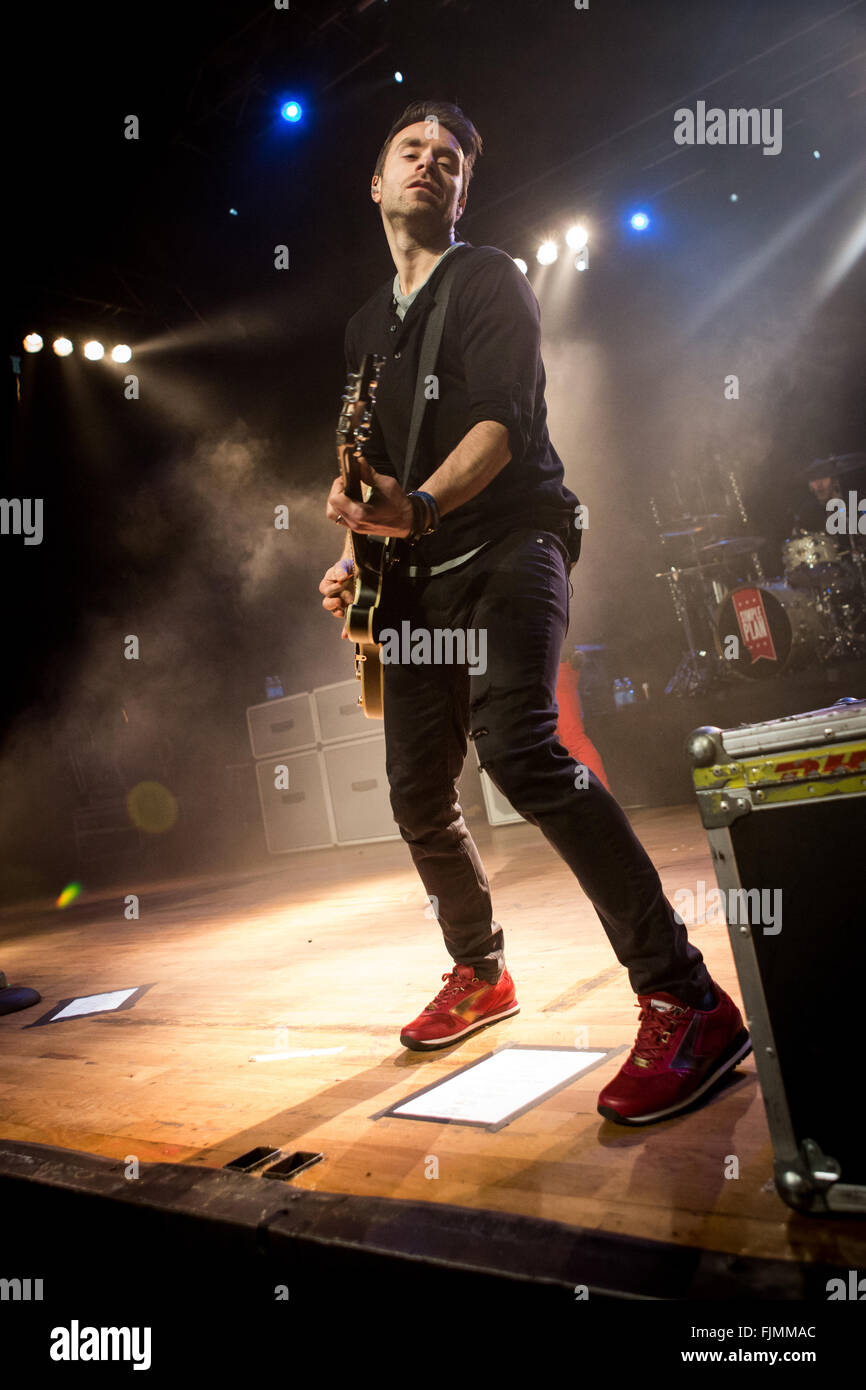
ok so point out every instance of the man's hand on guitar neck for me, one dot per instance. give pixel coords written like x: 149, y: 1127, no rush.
x: 387, y: 513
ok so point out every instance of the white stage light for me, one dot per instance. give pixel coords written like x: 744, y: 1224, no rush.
x: 546, y: 253
x: 62, y: 347
x: 121, y: 353
x: 577, y: 237
x: 521, y: 265
x: 94, y: 350
x: 33, y: 343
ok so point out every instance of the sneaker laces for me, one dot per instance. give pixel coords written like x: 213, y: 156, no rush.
x: 452, y: 986
x: 656, y: 1026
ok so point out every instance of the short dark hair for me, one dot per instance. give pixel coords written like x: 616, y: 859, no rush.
x: 453, y: 120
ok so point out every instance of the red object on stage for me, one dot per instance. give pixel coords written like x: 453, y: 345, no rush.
x: 679, y: 1054
x: 570, y: 728
x: 464, y: 1005
x: 754, y: 624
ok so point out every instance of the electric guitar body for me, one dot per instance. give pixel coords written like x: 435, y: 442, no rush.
x: 372, y: 555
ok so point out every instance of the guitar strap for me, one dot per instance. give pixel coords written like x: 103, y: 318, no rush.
x: 427, y: 363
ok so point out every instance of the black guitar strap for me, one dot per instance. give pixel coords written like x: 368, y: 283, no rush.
x: 427, y: 364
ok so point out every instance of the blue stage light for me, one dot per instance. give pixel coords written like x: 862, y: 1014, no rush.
x: 398, y: 77
x: 639, y: 221
x: 291, y: 111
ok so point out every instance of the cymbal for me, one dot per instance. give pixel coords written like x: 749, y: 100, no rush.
x: 837, y: 465
x: 735, y: 545
x: 700, y: 568
x: 693, y: 523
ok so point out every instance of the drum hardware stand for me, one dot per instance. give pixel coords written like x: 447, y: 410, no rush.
x: 744, y: 517
x: 697, y: 667
x: 701, y: 666
x: 844, y: 639
x: 845, y: 644
x: 694, y: 675
x: 859, y: 559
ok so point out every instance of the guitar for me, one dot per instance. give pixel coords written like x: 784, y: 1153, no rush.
x: 372, y: 555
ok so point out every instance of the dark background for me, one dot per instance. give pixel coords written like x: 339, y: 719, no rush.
x: 159, y: 512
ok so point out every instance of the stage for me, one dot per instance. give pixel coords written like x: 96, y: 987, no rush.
x: 326, y: 955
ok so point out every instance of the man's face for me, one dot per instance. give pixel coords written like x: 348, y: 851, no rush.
x: 422, y: 178
x: 822, y: 489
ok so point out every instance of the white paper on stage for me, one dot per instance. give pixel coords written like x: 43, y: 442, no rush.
x: 94, y: 1003
x: 498, y: 1086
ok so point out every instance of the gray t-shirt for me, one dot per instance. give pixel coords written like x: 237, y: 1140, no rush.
x: 404, y: 300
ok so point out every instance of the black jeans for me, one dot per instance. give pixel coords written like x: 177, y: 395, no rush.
x: 515, y: 592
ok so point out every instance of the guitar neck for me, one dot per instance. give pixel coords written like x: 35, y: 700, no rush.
x: 353, y: 428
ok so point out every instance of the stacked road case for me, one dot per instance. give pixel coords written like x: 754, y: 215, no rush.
x: 784, y: 807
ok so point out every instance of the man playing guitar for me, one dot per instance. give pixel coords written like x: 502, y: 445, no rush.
x: 485, y: 539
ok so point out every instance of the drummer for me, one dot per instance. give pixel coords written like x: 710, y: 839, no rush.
x: 823, y: 485
x: 824, y: 480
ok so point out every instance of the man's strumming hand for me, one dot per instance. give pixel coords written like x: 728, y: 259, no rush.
x: 338, y: 586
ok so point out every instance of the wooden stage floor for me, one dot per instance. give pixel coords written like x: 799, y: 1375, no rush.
x: 332, y: 950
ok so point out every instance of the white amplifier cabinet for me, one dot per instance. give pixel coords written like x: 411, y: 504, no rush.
x: 296, y: 816
x: 337, y: 791
x: 282, y: 726
x: 355, y: 772
x: 338, y: 712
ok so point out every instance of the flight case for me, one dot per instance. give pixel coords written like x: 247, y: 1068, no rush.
x: 784, y: 807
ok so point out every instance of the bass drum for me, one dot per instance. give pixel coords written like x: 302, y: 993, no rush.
x: 764, y: 630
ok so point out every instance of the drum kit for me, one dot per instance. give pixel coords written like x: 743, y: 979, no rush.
x: 740, y: 625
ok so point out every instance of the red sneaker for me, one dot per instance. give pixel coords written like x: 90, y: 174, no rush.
x: 679, y: 1054
x: 464, y: 1005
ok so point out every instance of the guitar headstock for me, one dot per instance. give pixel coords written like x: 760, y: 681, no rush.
x: 359, y: 398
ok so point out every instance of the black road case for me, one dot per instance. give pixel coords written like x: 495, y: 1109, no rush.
x: 784, y: 807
